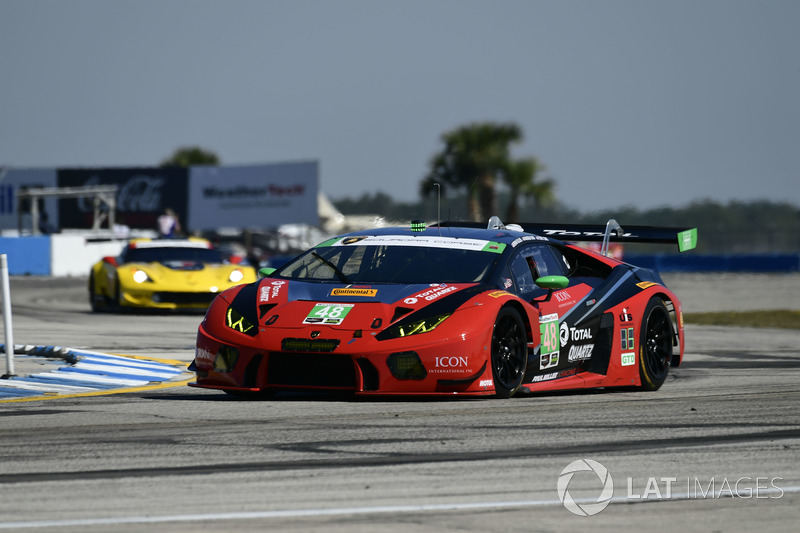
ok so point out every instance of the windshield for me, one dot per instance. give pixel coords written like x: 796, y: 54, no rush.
x: 167, y: 255
x: 390, y: 264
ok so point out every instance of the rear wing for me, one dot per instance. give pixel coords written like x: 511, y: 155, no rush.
x: 685, y: 238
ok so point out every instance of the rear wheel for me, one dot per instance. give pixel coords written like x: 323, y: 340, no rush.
x: 655, y: 345
x: 509, y: 352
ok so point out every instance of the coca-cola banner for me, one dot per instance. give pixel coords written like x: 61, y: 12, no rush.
x: 254, y: 196
x: 142, y: 196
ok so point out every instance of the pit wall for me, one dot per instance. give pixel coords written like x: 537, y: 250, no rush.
x: 59, y: 255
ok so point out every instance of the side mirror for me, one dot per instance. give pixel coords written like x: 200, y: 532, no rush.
x: 111, y: 260
x: 265, y: 272
x: 552, y: 282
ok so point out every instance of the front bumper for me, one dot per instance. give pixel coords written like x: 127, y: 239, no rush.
x: 453, y: 365
x: 165, y: 299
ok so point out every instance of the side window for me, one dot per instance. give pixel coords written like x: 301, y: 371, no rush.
x: 550, y: 261
x: 522, y: 276
x: 533, y: 262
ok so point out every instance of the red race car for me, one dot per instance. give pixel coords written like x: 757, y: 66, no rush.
x: 448, y: 309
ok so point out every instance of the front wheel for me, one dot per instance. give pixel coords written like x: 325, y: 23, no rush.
x: 118, y: 294
x: 98, y: 302
x: 655, y: 345
x: 92, y: 297
x: 509, y: 352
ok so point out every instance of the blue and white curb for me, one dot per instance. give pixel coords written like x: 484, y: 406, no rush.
x: 85, y: 372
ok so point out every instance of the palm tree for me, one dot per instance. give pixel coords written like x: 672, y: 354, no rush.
x: 472, y: 158
x: 521, y: 177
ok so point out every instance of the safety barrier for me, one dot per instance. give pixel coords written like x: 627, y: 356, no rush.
x: 59, y: 255
x: 27, y: 255
x: 718, y: 263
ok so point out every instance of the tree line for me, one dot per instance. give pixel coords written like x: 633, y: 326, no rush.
x: 738, y: 227
x: 476, y: 177
x: 473, y: 176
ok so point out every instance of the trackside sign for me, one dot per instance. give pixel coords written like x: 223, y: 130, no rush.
x: 255, y: 196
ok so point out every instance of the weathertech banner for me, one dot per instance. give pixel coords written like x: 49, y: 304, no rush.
x: 257, y: 196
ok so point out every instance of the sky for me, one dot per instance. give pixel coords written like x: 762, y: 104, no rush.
x: 645, y: 103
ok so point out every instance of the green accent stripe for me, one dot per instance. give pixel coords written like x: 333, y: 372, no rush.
x: 494, y: 247
x: 327, y: 243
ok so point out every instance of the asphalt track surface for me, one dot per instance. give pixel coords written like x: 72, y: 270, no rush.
x: 716, y: 449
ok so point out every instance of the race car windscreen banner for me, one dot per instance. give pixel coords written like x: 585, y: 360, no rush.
x: 256, y: 196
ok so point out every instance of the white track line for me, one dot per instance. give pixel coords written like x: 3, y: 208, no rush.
x: 305, y: 513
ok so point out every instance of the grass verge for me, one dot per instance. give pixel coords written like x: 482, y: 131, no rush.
x: 783, y: 319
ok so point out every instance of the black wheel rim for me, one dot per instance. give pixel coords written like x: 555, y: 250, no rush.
x: 508, y: 352
x: 658, y: 343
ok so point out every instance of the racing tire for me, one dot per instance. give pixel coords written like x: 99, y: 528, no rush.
x: 98, y: 302
x: 118, y: 295
x: 509, y: 352
x: 655, y: 345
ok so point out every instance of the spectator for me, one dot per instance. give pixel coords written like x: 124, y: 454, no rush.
x: 168, y: 224
x: 44, y: 224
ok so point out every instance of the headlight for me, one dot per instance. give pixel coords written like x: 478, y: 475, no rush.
x: 236, y: 276
x: 140, y: 276
x: 236, y: 321
x: 414, y: 327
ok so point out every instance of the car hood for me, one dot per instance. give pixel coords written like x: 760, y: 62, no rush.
x: 281, y: 291
x: 298, y: 303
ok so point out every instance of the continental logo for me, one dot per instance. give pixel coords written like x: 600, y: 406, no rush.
x: 498, y: 294
x: 354, y: 292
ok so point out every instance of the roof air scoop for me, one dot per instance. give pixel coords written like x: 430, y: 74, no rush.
x: 495, y: 223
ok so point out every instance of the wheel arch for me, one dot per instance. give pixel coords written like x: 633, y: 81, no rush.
x: 669, y: 301
x: 526, y: 319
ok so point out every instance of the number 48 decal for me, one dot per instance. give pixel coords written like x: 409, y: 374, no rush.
x: 548, y: 326
x: 551, y: 341
x: 328, y: 314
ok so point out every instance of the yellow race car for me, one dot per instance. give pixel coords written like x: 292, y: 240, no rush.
x: 166, y: 274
